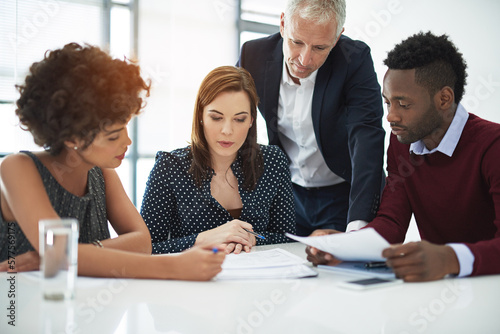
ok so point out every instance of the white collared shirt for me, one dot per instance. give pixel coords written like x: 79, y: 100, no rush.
x: 450, y: 139
x: 296, y: 133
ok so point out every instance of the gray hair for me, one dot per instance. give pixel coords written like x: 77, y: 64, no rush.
x: 320, y: 11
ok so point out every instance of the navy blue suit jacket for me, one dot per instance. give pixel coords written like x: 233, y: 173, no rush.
x: 346, y: 112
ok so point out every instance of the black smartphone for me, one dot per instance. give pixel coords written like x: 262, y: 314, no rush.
x: 369, y: 283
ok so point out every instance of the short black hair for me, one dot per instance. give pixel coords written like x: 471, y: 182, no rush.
x: 436, y: 60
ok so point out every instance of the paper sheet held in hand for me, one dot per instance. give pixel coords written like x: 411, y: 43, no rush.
x: 362, y: 245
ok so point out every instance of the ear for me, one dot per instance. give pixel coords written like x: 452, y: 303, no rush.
x: 338, y: 37
x: 73, y: 144
x: 282, y: 25
x: 445, y: 98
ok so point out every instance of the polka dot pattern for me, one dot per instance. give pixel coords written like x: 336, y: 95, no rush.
x: 176, y: 210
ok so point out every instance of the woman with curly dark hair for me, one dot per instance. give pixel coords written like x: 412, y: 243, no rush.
x: 77, y: 103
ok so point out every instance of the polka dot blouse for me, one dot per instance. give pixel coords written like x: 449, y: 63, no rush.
x: 176, y: 210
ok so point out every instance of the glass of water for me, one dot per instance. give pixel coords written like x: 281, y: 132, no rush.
x: 59, y: 255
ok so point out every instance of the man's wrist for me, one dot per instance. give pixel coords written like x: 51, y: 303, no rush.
x: 452, y: 263
x: 465, y: 258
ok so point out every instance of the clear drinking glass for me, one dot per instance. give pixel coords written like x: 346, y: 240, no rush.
x: 59, y: 255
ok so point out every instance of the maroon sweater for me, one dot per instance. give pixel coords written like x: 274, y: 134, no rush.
x: 454, y: 200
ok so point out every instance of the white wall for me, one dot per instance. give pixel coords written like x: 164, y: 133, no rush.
x: 473, y: 26
x: 179, y: 43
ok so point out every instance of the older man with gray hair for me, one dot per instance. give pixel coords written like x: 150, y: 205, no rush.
x: 322, y: 104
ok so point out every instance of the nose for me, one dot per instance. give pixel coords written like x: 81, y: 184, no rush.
x: 128, y: 141
x: 227, y: 128
x: 392, y: 115
x: 306, y: 56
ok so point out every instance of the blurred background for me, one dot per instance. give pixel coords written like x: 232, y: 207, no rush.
x: 178, y: 42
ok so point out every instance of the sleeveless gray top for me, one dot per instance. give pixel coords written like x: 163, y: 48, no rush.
x: 90, y: 210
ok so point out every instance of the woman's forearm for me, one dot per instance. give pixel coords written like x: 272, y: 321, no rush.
x: 136, y: 241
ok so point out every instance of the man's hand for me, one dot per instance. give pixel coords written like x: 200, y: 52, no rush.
x: 315, y: 256
x: 421, y: 261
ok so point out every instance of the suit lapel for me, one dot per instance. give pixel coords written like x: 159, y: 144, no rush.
x: 272, y: 87
x: 322, y: 79
x: 271, y: 91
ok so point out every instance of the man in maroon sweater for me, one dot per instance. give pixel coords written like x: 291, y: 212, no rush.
x: 443, y: 166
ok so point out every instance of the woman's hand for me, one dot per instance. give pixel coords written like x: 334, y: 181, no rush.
x: 28, y: 261
x: 237, y: 248
x: 197, y: 264
x: 232, y: 232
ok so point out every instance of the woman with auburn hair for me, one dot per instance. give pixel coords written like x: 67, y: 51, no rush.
x: 77, y: 103
x: 224, y: 188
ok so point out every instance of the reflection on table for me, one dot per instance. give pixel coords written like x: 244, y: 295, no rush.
x: 310, y: 305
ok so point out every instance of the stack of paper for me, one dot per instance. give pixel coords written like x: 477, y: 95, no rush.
x: 270, y: 264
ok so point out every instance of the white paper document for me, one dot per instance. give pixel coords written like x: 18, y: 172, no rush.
x: 273, y: 263
x: 362, y: 245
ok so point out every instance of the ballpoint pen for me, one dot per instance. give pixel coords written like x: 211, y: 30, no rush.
x: 377, y: 264
x: 256, y: 234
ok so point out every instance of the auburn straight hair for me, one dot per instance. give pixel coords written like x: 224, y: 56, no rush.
x: 223, y: 79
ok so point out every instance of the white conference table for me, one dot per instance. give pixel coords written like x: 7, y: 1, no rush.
x: 310, y: 305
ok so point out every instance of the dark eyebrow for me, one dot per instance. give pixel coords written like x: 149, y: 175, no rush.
x: 218, y: 112
x: 215, y: 111
x: 398, y: 98
x: 108, y: 133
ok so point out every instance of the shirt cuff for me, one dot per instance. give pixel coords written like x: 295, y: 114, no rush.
x: 355, y: 225
x: 465, y: 259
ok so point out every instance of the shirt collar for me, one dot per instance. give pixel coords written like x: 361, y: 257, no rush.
x: 287, y: 79
x: 451, y: 137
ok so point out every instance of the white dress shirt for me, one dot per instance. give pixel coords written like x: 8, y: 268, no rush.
x: 296, y: 133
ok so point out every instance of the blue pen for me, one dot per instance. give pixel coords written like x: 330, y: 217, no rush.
x: 256, y: 234
x: 215, y: 250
